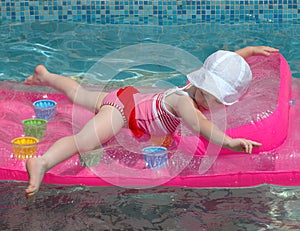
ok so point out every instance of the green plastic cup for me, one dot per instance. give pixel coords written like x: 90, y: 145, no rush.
x: 91, y: 158
x: 35, y: 127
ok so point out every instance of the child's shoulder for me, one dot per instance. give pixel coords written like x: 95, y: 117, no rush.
x: 177, y: 98
x: 176, y: 91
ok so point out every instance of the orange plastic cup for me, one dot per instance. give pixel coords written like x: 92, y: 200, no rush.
x: 25, y: 147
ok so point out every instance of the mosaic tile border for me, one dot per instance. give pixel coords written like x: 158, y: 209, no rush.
x: 152, y: 12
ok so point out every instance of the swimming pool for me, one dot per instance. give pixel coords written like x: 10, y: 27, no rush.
x: 88, y: 30
x: 72, y: 49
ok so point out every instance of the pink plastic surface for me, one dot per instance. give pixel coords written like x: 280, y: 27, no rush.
x: 276, y: 162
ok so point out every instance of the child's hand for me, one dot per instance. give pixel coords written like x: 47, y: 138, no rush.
x: 256, y: 50
x: 242, y: 145
x: 264, y: 50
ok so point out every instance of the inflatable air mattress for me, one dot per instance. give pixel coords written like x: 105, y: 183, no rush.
x: 267, y: 113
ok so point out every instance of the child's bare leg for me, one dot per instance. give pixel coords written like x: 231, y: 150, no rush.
x: 98, y: 130
x: 68, y: 86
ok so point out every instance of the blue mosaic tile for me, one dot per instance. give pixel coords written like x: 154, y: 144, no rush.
x: 166, y: 12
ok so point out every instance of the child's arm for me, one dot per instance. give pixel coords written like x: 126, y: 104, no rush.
x: 204, y: 127
x: 256, y: 50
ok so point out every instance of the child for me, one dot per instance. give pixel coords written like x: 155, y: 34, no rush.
x: 223, y: 78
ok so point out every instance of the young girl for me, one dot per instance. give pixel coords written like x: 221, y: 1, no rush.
x: 223, y: 78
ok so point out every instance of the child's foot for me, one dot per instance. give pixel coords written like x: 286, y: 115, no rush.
x: 36, y: 169
x: 39, y: 76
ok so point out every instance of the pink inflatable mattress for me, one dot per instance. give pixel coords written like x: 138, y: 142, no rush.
x: 267, y: 113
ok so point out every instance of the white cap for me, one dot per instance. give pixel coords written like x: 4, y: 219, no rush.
x: 224, y: 74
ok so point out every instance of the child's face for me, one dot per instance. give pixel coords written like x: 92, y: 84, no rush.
x: 205, y: 100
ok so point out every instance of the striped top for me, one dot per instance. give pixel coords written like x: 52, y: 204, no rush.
x: 168, y: 121
x: 152, y: 115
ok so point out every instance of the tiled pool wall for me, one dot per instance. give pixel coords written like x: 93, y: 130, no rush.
x: 167, y: 12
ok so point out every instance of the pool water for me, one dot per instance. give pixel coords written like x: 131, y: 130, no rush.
x: 73, y: 49
x: 100, y: 208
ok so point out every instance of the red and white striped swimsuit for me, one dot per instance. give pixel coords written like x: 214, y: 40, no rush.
x: 152, y: 116
x: 144, y: 114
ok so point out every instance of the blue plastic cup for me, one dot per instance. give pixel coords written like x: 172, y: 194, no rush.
x: 45, y: 109
x: 155, y: 157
